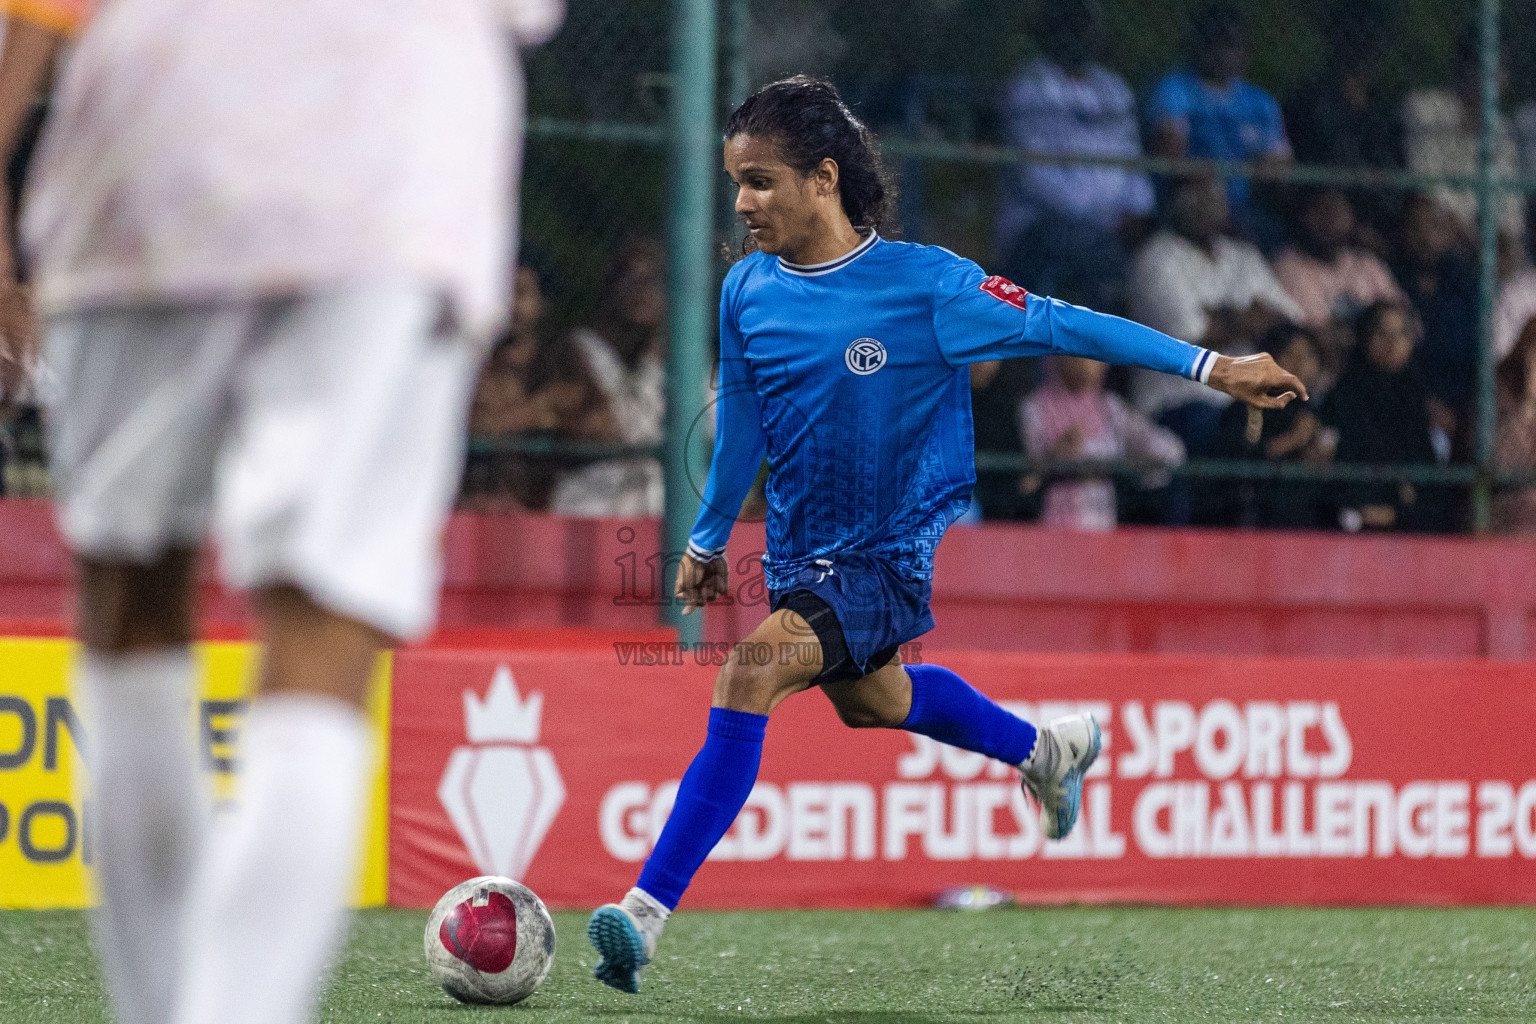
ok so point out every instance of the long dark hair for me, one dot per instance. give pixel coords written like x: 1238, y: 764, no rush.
x: 808, y: 122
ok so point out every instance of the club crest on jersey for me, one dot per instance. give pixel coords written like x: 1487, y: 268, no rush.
x: 864, y: 356
x: 1004, y: 290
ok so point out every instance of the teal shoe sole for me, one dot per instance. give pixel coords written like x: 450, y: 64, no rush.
x: 621, y: 946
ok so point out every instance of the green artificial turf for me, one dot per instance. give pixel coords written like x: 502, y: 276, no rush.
x: 912, y: 967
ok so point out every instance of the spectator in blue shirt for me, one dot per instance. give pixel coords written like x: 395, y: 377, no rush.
x: 1207, y: 110
x: 1065, y: 229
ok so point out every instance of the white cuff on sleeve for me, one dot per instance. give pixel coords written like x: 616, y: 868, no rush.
x: 1205, y: 362
x: 701, y: 555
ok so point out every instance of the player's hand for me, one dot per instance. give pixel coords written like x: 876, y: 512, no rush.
x: 699, y: 583
x: 1257, y: 380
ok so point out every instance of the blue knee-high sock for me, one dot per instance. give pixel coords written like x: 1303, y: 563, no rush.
x: 953, y: 711
x: 712, y: 793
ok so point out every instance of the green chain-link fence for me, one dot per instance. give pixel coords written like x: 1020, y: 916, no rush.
x: 933, y: 79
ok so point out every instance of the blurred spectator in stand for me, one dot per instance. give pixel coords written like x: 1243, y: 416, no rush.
x: 1514, y: 510
x: 1342, y: 120
x: 1202, y: 286
x: 532, y: 385
x: 1066, y: 230
x: 1331, y: 279
x: 624, y: 351
x: 997, y: 388
x: 1524, y: 127
x: 35, y: 35
x: 1292, y: 434
x: 23, y: 438
x: 1441, y: 282
x: 1381, y: 410
x: 792, y: 37
x: 1514, y: 309
x: 1440, y: 136
x: 1208, y: 111
x: 1071, y: 418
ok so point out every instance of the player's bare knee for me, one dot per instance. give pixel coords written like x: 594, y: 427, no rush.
x: 127, y: 607
x: 311, y: 649
x: 743, y: 685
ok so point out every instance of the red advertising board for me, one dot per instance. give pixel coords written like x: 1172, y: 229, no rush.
x: 1223, y: 780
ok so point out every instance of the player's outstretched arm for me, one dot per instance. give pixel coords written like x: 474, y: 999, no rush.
x: 1257, y: 380
x: 977, y: 317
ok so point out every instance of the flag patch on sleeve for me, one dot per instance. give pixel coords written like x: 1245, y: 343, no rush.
x: 1004, y: 290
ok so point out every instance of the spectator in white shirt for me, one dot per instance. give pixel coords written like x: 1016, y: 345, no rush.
x: 625, y: 355
x: 1065, y: 229
x: 1070, y: 418
x: 1197, y: 283
x: 1441, y: 130
x: 1330, y: 277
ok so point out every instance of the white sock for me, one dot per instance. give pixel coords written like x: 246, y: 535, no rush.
x: 638, y: 899
x: 649, y: 913
x: 148, y: 811
x: 270, y: 895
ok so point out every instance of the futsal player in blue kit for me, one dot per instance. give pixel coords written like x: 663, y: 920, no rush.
x: 844, y: 359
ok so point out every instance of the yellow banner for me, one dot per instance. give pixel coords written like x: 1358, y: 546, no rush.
x: 45, y: 825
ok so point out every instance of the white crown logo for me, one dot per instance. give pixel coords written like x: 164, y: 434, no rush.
x: 503, y: 717
x: 501, y: 792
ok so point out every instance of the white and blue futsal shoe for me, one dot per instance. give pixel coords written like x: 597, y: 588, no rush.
x: 1053, y: 774
x: 624, y: 935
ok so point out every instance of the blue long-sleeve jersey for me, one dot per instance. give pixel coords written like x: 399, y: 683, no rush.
x: 852, y: 377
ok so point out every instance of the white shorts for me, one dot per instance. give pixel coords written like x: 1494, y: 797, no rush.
x: 323, y: 434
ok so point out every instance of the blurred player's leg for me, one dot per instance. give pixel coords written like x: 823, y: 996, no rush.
x: 271, y: 892
x: 136, y: 676
x: 341, y: 463
x: 134, y: 439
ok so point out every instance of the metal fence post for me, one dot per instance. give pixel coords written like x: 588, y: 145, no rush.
x: 1489, y: 200
x: 738, y: 86
x: 691, y: 279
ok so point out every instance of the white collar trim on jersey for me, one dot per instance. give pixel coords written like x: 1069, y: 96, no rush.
x: 817, y: 269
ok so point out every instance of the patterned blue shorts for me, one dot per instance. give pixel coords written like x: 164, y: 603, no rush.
x: 862, y: 609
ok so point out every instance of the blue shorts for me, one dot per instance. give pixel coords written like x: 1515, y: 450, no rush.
x: 861, y: 607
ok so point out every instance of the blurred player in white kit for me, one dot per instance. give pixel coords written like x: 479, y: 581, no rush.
x: 267, y: 238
